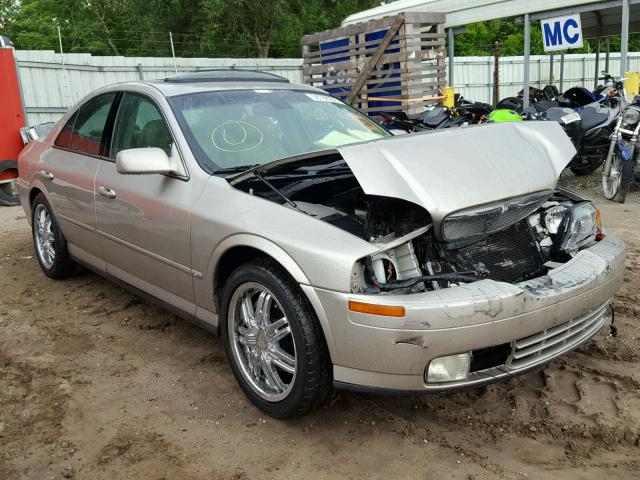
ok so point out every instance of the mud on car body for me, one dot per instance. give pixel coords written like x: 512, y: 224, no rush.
x: 321, y: 248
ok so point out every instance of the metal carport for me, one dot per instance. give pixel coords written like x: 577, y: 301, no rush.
x: 600, y: 18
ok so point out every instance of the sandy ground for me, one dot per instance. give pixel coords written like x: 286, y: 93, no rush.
x: 97, y: 384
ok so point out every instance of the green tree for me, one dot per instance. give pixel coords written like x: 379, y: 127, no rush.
x: 221, y: 28
x: 480, y: 38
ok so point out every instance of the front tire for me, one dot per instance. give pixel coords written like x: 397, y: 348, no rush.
x: 48, y: 241
x: 616, y: 177
x: 273, y: 340
x: 585, y: 168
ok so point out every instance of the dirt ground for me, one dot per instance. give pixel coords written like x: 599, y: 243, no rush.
x: 97, y: 384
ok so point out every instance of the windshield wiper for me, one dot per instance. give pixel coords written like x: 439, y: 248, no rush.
x: 236, y: 169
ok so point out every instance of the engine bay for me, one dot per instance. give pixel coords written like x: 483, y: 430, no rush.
x: 510, y: 241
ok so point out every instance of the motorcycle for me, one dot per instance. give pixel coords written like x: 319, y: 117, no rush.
x: 623, y: 161
x: 438, y: 116
x: 589, y: 130
x: 589, y: 127
x: 541, y: 100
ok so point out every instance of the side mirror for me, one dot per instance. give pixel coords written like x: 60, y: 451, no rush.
x: 143, y: 161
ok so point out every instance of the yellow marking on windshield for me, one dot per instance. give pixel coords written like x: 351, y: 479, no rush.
x: 236, y: 136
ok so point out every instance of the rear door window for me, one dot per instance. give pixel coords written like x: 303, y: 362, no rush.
x: 88, y: 136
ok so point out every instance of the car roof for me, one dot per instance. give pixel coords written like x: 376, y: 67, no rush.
x: 223, y: 79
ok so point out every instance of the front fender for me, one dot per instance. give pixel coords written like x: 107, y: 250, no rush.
x: 289, y: 264
x: 259, y: 243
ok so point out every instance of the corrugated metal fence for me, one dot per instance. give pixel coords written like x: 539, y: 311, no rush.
x: 473, y: 76
x: 49, y: 89
x: 50, y: 85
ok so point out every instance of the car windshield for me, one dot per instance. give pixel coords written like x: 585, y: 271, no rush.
x: 229, y: 130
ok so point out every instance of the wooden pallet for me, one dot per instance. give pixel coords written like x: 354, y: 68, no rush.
x: 388, y: 64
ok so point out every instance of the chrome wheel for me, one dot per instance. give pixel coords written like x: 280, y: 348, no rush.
x: 44, y: 238
x: 262, y: 342
x: 612, y: 176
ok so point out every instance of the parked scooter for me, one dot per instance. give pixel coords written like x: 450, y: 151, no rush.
x: 623, y: 161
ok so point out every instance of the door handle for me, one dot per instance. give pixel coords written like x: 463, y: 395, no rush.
x: 107, y: 192
x: 47, y: 174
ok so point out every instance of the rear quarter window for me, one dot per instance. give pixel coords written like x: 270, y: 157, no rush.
x: 84, y: 132
x: 64, y: 137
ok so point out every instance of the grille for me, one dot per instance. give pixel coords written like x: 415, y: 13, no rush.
x: 544, y: 346
x: 511, y: 255
x: 489, y: 219
x: 550, y: 342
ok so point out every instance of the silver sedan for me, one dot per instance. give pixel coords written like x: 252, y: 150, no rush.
x: 325, y: 251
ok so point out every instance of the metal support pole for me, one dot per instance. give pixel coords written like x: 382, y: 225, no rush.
x: 551, y: 69
x: 596, y: 74
x: 496, y: 73
x: 140, y: 71
x: 561, y: 72
x: 527, y: 51
x: 451, y: 46
x: 624, y: 38
x: 606, y: 58
x: 173, y: 53
x: 64, y: 69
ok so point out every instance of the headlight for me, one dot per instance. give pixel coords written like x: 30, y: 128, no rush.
x: 579, y: 226
x: 630, y: 117
x: 449, y: 369
x: 553, y: 218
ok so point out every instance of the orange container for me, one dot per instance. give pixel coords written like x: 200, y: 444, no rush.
x: 11, y: 121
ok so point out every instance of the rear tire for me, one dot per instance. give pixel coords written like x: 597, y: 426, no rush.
x: 48, y: 241
x: 617, y: 175
x: 274, y: 343
x: 8, y: 195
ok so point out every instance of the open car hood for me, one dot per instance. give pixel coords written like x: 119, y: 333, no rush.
x: 449, y: 170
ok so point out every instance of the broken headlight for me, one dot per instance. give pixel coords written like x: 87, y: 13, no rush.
x: 579, y: 225
x: 553, y: 218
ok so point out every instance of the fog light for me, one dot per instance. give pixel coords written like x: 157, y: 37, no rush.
x: 452, y: 368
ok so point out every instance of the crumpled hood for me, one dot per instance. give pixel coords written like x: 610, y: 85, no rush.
x: 449, y: 170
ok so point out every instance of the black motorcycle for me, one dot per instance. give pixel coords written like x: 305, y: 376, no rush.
x: 589, y: 130
x: 541, y: 100
x: 590, y: 126
x: 437, y: 116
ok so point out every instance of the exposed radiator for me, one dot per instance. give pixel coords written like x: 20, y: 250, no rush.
x: 511, y: 255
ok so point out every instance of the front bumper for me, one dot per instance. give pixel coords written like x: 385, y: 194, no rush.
x: 542, y: 319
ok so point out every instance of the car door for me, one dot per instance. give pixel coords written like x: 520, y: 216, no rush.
x: 143, y: 220
x: 68, y: 172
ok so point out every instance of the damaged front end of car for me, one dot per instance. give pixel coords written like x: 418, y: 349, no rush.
x: 471, y: 264
x: 425, y: 237
x: 510, y: 241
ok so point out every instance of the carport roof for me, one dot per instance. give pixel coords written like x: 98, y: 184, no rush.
x: 595, y: 14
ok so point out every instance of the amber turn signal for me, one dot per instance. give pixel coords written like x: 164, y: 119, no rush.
x: 599, y: 233
x: 384, y: 310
